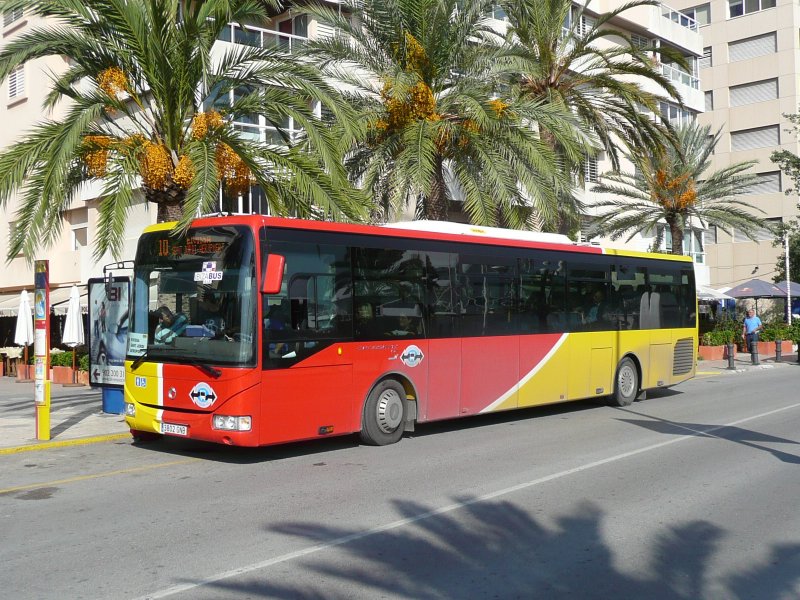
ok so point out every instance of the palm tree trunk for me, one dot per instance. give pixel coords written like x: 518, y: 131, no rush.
x: 676, y: 231
x: 168, y: 200
x: 437, y: 203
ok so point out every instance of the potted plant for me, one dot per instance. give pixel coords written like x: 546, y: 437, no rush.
x: 83, y: 369
x: 774, y: 332
x: 715, y: 344
x: 61, y: 364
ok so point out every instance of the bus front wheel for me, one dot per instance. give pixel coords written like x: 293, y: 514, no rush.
x: 384, y: 414
x: 626, y: 383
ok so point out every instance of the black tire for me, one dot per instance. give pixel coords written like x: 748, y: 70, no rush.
x: 626, y: 383
x: 384, y: 417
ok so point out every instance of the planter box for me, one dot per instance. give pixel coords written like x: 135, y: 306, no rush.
x: 24, y: 372
x: 767, y: 349
x: 62, y: 375
x: 714, y: 352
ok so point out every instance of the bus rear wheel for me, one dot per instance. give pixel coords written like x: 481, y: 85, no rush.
x: 384, y: 415
x: 626, y: 383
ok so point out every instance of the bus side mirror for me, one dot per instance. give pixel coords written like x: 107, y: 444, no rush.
x: 273, y: 277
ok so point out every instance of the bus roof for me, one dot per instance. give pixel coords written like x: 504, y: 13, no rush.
x: 433, y: 230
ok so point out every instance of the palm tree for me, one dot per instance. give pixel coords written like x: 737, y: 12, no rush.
x: 676, y: 186
x: 556, y: 48
x: 422, y: 74
x: 141, y: 73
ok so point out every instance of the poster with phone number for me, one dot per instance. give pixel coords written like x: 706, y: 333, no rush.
x: 108, y: 331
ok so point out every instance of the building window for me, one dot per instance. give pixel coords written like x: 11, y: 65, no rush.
x: 590, y: 169
x: 766, y: 183
x: 705, y: 62
x: 675, y: 114
x: 753, y: 47
x: 700, y: 13
x: 640, y: 41
x: 709, y: 101
x: 756, y: 91
x: 737, y: 8
x: 759, y: 137
x: 11, y: 16
x: 767, y: 234
x: 16, y: 83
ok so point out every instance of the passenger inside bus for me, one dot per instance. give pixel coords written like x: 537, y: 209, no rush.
x: 406, y: 327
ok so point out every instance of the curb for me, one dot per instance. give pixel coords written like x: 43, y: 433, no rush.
x: 65, y: 443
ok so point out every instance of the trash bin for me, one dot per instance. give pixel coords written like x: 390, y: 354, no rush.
x: 113, y: 402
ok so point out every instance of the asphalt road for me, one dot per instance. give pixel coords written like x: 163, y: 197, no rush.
x: 691, y: 493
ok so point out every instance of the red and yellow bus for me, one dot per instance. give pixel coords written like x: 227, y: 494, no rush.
x: 285, y: 329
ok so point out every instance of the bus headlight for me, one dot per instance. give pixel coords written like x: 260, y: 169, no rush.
x: 231, y: 423
x: 130, y: 409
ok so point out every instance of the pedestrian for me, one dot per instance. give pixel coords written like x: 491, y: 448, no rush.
x: 752, y: 325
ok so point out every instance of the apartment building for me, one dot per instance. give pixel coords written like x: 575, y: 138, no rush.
x: 749, y: 76
x: 71, y: 258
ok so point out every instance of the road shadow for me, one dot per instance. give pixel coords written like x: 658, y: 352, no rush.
x: 738, y: 435
x: 497, y: 550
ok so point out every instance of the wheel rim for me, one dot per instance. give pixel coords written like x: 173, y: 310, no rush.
x: 389, y: 411
x: 626, y: 381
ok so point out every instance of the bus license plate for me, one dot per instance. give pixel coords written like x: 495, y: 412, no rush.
x: 173, y: 429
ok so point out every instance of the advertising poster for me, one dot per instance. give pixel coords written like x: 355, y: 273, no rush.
x: 108, y: 331
x: 41, y: 330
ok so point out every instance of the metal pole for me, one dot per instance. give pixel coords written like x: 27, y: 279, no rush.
x: 788, y: 288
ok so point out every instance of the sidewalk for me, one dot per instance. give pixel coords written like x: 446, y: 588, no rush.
x: 76, y: 417
x: 742, y: 363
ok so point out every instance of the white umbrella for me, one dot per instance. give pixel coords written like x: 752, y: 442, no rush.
x: 73, y: 326
x: 23, y: 336
x: 706, y: 293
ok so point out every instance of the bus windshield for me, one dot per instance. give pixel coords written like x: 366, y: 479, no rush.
x: 194, y: 297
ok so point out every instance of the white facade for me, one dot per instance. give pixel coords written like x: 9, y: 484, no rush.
x: 71, y: 257
x: 750, y: 80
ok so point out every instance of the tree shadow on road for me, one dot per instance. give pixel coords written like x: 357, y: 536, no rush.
x: 730, y: 433
x: 497, y: 550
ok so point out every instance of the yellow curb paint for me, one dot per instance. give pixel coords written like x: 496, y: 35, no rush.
x: 64, y: 443
x: 706, y: 372
x: 33, y: 486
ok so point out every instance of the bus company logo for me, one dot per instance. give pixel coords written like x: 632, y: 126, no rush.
x: 412, y: 356
x: 208, y: 273
x: 203, y: 395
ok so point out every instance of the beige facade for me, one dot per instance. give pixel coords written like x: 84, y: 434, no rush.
x: 71, y: 257
x: 750, y: 79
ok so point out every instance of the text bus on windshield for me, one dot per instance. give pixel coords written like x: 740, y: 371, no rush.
x: 252, y: 330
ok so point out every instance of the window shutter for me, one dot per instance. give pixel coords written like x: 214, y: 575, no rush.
x: 16, y: 83
x: 325, y: 31
x: 709, y: 97
x: 758, y: 91
x: 760, y: 45
x: 766, y: 183
x: 590, y: 169
x: 760, y: 137
x: 705, y: 61
x: 11, y: 15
